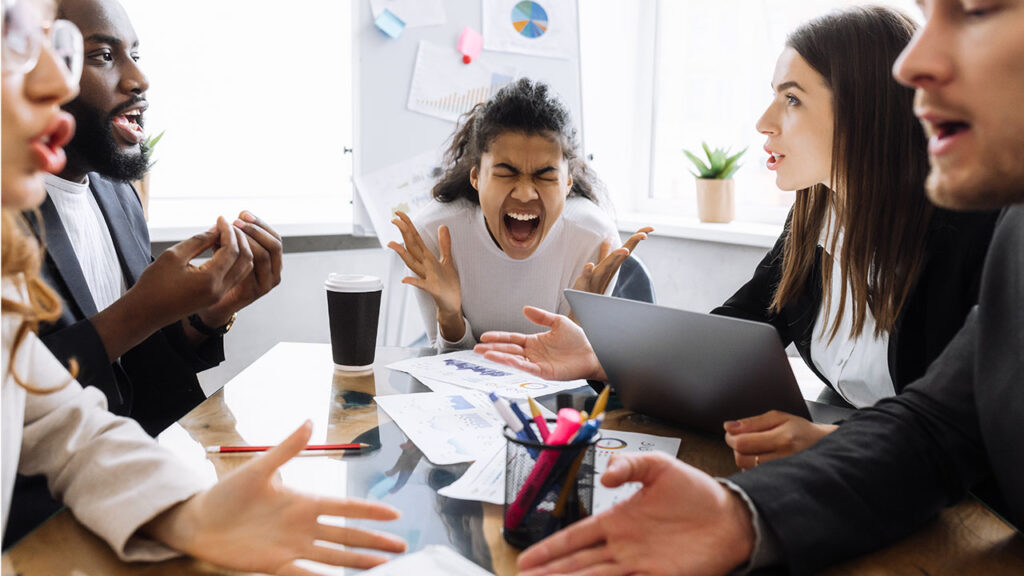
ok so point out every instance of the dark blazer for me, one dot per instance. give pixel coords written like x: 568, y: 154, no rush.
x: 944, y: 293
x: 155, y: 382
x: 891, y: 468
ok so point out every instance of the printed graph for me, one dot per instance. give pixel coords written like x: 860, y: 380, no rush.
x: 530, y: 19
x: 456, y: 103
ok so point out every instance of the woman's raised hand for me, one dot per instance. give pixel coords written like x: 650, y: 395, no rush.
x: 561, y: 353
x: 435, y: 276
x: 596, y: 277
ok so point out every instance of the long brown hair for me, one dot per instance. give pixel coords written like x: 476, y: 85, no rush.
x: 879, y: 162
x: 522, y: 106
x: 21, y: 257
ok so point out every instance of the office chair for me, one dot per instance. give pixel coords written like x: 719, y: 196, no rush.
x: 634, y: 281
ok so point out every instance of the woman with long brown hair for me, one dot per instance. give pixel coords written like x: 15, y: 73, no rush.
x: 868, y: 279
x: 115, y: 479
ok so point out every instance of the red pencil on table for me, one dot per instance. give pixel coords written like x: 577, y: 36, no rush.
x: 238, y: 449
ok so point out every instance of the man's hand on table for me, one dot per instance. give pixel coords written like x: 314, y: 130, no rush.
x: 250, y: 522
x: 681, y: 522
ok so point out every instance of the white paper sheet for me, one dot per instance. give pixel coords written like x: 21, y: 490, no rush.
x: 545, y: 28
x: 413, y: 12
x: 444, y: 87
x: 616, y: 442
x: 468, y: 369
x: 484, y: 481
x: 447, y: 428
x: 430, y: 561
x: 404, y: 186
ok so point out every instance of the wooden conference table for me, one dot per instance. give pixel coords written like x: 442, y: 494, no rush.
x: 293, y: 382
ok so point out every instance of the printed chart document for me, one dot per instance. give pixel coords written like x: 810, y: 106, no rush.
x: 484, y: 481
x: 447, y: 428
x: 431, y: 561
x: 468, y: 369
x: 616, y: 442
x: 414, y: 13
x: 403, y: 186
x: 443, y: 87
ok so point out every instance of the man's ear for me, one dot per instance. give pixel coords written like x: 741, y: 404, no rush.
x: 570, y: 186
x: 474, y: 177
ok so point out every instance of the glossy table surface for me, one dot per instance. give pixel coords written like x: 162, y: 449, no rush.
x: 293, y: 382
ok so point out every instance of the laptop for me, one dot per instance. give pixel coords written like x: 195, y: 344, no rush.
x: 695, y: 370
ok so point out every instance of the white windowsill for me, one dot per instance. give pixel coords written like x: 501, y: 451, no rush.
x: 174, y: 219
x: 735, y: 232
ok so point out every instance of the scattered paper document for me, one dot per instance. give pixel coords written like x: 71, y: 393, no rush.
x: 484, y: 481
x: 430, y: 561
x: 468, y: 369
x: 414, y: 13
x: 444, y: 87
x: 616, y: 442
x: 404, y: 186
x: 545, y: 28
x: 447, y: 428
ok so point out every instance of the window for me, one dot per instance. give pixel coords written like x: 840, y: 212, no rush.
x: 709, y: 79
x: 255, y: 99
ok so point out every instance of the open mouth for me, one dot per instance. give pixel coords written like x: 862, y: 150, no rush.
x: 773, y: 160
x: 49, y: 145
x: 945, y: 130
x: 944, y: 135
x: 521, y: 226
x: 128, y: 126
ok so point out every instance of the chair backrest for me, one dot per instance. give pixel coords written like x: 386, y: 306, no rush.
x: 634, y: 281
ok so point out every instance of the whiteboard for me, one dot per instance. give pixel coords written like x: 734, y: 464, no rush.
x: 385, y: 131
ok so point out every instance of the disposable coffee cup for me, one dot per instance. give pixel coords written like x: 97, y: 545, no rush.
x: 353, y: 308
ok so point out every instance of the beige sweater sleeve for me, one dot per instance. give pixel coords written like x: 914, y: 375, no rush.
x: 109, y: 472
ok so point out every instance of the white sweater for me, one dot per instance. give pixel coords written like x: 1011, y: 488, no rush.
x: 495, y: 287
x: 109, y: 472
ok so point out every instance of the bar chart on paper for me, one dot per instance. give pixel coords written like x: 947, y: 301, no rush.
x: 459, y: 102
x: 444, y: 87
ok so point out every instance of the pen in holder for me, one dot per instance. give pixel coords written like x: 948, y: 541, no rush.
x: 549, y: 492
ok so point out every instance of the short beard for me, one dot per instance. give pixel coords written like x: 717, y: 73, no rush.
x: 94, y: 147
x: 994, y: 186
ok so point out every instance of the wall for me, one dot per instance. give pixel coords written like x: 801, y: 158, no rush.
x: 688, y: 274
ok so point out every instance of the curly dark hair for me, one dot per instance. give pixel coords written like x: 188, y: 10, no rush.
x: 523, y: 106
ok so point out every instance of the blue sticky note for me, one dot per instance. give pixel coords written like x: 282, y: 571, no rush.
x: 389, y: 23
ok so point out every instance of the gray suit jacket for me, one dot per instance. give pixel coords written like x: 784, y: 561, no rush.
x: 891, y: 468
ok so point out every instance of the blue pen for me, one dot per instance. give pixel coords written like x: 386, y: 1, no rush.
x: 526, y: 421
x: 514, y: 424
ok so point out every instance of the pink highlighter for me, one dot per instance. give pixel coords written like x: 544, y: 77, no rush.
x: 568, y: 423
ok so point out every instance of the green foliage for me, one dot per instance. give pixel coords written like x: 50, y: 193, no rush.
x: 719, y: 166
x: 150, y: 143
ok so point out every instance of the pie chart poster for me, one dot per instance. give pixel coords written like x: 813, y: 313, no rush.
x: 545, y: 28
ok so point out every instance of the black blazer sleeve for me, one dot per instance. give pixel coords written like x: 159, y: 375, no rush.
x: 892, y: 467
x: 883, y: 473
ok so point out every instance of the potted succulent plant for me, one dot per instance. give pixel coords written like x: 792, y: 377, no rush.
x: 142, y: 185
x: 715, y: 190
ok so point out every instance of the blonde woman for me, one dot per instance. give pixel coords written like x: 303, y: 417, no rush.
x: 114, y: 478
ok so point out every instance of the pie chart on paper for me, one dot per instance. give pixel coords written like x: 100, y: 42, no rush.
x: 530, y: 19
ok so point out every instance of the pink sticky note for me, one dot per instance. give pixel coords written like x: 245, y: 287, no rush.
x: 470, y: 42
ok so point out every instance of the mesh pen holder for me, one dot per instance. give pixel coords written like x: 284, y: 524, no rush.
x: 546, y: 493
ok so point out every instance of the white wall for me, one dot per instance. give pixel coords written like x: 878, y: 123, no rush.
x: 688, y: 274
